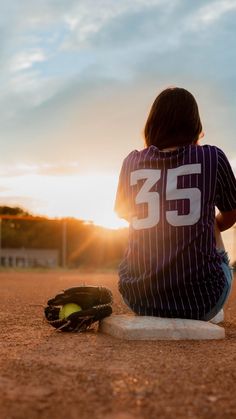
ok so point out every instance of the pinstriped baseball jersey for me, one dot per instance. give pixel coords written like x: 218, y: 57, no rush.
x: 171, y: 267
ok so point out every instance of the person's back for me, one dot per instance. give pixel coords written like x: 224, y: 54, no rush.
x: 168, y: 193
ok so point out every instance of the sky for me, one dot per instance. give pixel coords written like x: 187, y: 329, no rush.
x: 78, y: 78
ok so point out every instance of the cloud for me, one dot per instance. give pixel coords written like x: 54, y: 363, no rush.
x: 76, y: 78
x: 25, y: 60
x: 210, y: 13
x: 30, y: 89
x: 86, y: 23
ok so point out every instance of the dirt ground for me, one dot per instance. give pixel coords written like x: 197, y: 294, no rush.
x: 47, y: 374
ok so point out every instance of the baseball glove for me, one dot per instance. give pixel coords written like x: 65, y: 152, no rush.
x: 95, y: 303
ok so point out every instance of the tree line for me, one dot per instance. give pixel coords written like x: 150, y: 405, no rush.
x: 86, y: 244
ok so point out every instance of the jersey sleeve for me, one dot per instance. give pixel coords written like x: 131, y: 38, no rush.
x: 121, y: 201
x: 226, y: 184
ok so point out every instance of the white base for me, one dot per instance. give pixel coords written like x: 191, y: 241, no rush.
x: 131, y: 327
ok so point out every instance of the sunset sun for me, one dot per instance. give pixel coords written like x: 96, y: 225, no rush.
x: 89, y: 197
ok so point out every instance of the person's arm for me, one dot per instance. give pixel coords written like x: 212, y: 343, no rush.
x: 226, y: 219
x: 225, y: 193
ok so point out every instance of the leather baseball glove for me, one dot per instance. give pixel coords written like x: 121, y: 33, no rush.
x: 93, y: 304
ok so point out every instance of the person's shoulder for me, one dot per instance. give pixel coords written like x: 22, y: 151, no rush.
x: 130, y: 156
x: 134, y: 155
x: 211, y: 149
x: 127, y: 161
x: 221, y: 156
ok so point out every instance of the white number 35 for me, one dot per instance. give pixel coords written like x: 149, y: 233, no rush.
x: 152, y: 198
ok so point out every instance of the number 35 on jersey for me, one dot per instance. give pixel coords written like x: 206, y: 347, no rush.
x: 152, y: 198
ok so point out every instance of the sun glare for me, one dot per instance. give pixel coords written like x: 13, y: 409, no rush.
x: 89, y: 197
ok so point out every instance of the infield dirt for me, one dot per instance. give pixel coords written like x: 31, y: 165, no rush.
x: 47, y: 374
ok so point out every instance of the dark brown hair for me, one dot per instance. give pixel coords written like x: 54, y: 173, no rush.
x: 173, y: 119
